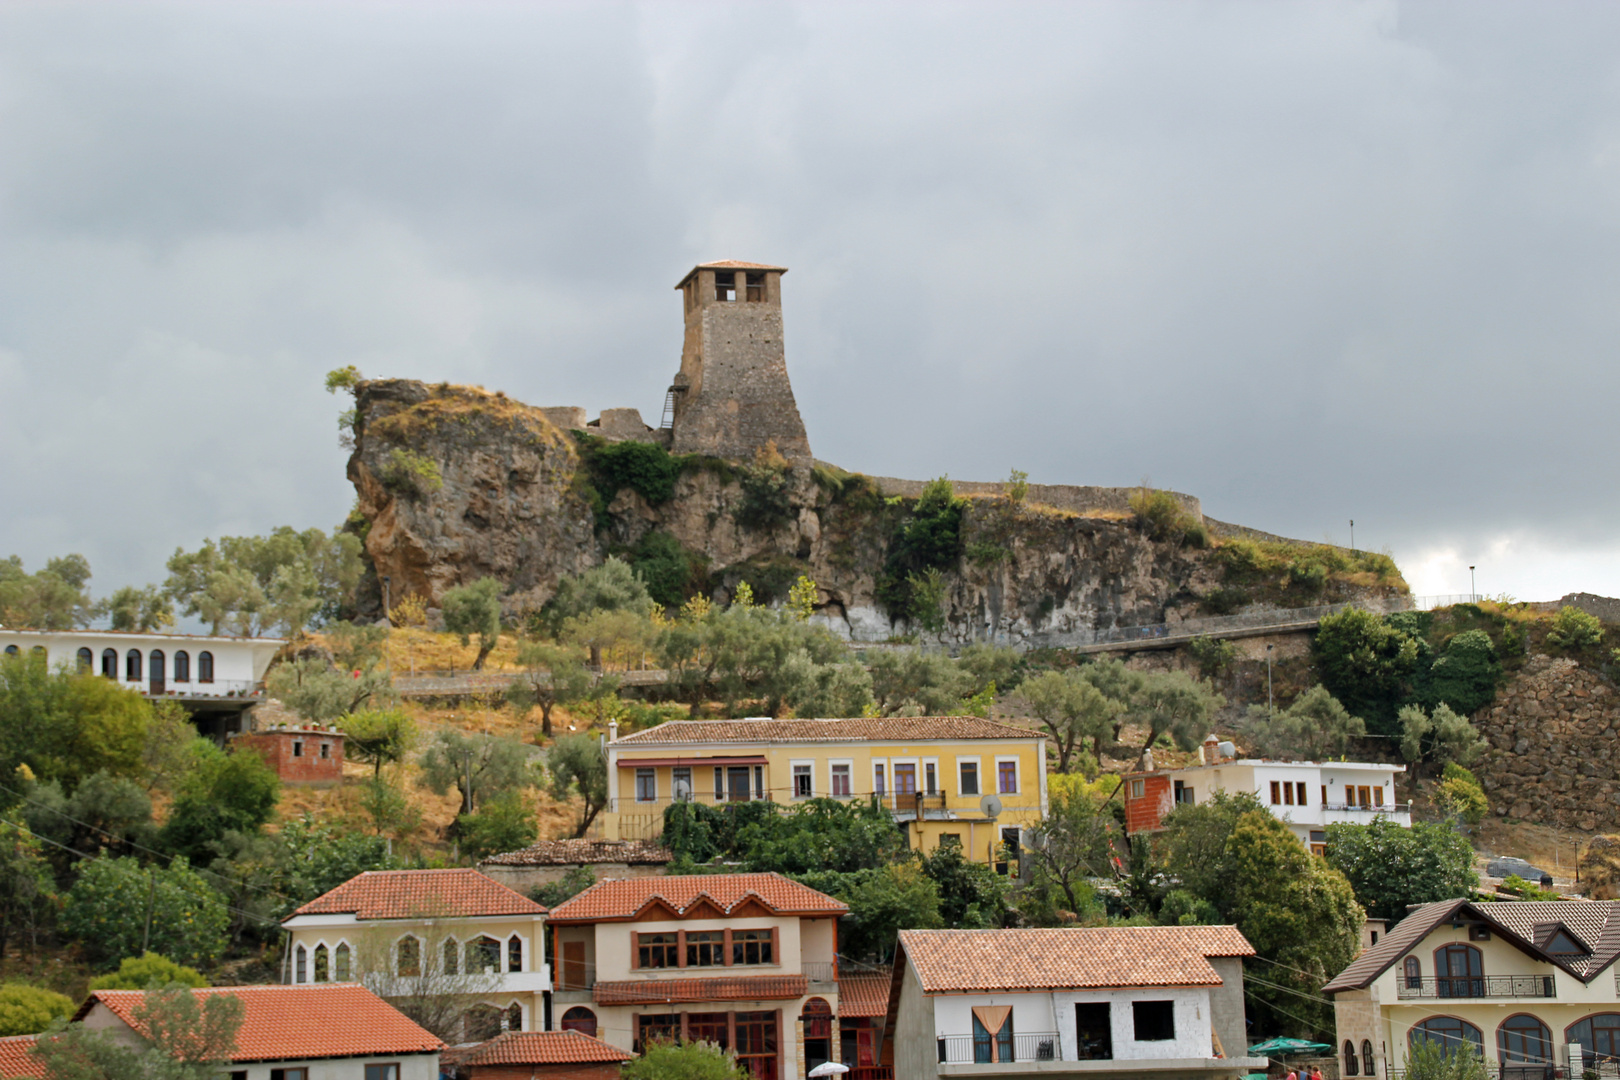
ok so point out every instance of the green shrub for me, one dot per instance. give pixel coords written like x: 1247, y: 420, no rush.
x: 150, y: 969
x: 929, y: 538
x: 1461, y: 794
x: 766, y: 492
x: 408, y: 473
x: 670, y: 572
x: 110, y: 907
x: 1466, y: 674
x: 645, y: 468
x: 502, y: 824
x: 1573, y: 628
x: 1214, y: 655
x: 28, y: 1010
x: 1160, y: 516
x: 1365, y: 663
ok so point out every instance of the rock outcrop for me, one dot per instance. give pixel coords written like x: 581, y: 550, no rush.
x: 1553, y: 733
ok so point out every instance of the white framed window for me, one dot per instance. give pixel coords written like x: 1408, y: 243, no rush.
x: 842, y: 779
x: 646, y: 785
x: 1007, y: 780
x: 880, y: 778
x: 681, y: 784
x: 967, y: 775
x: 931, y: 775
x: 804, y: 779
x: 1138, y: 788
x: 905, y: 777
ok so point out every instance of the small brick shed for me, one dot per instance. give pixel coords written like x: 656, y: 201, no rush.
x: 310, y: 755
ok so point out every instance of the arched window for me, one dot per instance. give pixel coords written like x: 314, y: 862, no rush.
x: 1368, y: 1065
x: 514, y: 953
x: 1350, y: 1067
x: 182, y: 666
x: 1414, y: 973
x: 513, y: 1020
x: 109, y: 663
x: 155, y: 667
x: 410, y: 956
x: 1599, y: 1034
x: 1459, y: 971
x: 480, y: 1023
x: 1448, y: 1033
x: 132, y: 666
x: 205, y: 666
x: 38, y: 650
x: 483, y: 954
x: 452, y: 956
x: 323, y: 964
x: 343, y: 971
x: 87, y: 660
x: 1524, y: 1039
x: 300, y: 965
x: 12, y: 650
x: 580, y: 1019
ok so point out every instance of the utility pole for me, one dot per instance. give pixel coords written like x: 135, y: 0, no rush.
x: 1352, y: 538
x: 466, y: 797
x: 1473, y: 590
x: 1269, y: 706
x: 151, y: 899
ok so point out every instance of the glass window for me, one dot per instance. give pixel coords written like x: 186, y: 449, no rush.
x: 300, y: 965
x: 343, y: 971
x: 483, y: 955
x: 480, y: 1023
x: 205, y: 666
x: 289, y: 1074
x: 930, y: 777
x: 298, y: 748
x: 182, y: 666
x: 514, y: 953
x: 1155, y: 1021
x: 905, y: 779
x: 1007, y: 777
x: 657, y: 951
x: 452, y: 956
x: 1138, y: 788
x: 646, y: 785
x: 1414, y: 973
x: 132, y: 666
x: 382, y: 1072
x: 1367, y: 1063
x: 1276, y: 793
x: 719, y: 784
x: 681, y: 784
x: 109, y: 663
x: 752, y: 947
x: 409, y: 962
x: 1524, y: 1039
x: 705, y: 948
x: 156, y: 665
x: 756, y: 1043
x: 968, y: 777
x: 878, y: 786
x: 841, y: 786
x: 802, y: 781
x: 514, y: 1017
x: 1351, y: 1066
x: 1299, y: 794
x: 12, y: 650
x: 1599, y: 1034
x: 323, y: 964
x: 580, y: 1019
x: 656, y: 1027
x: 709, y: 1027
x: 86, y: 659
x: 1446, y: 1032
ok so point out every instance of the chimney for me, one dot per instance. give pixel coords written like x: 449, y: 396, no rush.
x: 1210, y: 752
x: 613, y: 731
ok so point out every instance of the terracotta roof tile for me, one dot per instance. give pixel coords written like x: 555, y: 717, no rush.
x: 1392, y: 945
x: 299, y: 1022
x: 863, y: 994
x: 15, y: 1059
x: 416, y: 894
x: 623, y: 898
x: 542, y: 1048
x: 737, y: 264
x: 671, y: 991
x: 856, y: 729
x: 996, y: 960
x: 584, y: 852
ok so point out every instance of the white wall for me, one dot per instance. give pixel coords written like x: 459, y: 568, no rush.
x: 1192, y: 1022
x: 237, y: 661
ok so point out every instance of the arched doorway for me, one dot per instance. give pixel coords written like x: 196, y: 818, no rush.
x: 155, y: 664
x: 580, y: 1019
x: 1524, y: 1047
x: 817, y: 1020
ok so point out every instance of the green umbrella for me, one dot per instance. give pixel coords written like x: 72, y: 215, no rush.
x: 1275, y: 1047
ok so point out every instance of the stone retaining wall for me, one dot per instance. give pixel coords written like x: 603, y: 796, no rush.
x: 1553, y: 733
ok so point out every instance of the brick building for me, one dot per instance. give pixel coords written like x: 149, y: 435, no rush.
x: 301, y: 755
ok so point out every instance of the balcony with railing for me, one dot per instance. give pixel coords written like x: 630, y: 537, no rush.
x: 970, y: 1049
x: 1476, y: 986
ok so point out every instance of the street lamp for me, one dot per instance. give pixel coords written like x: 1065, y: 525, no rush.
x: 1352, y: 535
x: 1473, y: 591
x: 1269, y: 706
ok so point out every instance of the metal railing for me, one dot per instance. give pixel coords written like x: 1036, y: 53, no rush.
x: 1360, y: 808
x: 1037, y: 1046
x: 1440, y: 600
x: 871, y: 1072
x: 218, y: 688
x: 1476, y: 986
x: 1215, y: 625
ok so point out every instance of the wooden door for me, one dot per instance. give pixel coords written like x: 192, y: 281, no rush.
x: 573, y: 965
x: 154, y: 671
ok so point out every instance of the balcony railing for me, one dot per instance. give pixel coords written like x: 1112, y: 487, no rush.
x: 871, y: 1072
x: 1477, y: 986
x: 1038, y: 1046
x: 822, y: 973
x: 1359, y: 808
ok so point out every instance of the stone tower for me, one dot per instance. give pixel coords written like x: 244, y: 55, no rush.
x: 732, y: 396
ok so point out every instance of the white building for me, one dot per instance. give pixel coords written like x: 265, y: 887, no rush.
x: 185, y: 667
x: 1307, y: 796
x: 1164, y: 1002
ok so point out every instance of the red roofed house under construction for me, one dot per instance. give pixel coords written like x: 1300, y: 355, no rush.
x: 748, y: 961
x: 429, y: 934
x: 336, y: 1032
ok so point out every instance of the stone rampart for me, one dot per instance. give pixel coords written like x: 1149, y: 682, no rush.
x: 1553, y: 733
x: 1080, y: 500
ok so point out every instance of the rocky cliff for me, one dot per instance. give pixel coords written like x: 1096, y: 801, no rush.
x: 455, y: 483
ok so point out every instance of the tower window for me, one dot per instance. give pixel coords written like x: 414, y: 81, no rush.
x: 725, y: 286
x: 756, y: 285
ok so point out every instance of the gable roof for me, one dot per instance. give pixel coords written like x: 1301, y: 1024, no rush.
x: 419, y: 894
x: 584, y: 853
x: 16, y: 1059
x: 291, y: 1023
x: 854, y: 729
x: 982, y: 961
x: 1527, y: 925
x: 543, y: 1048
x: 863, y: 993
x: 624, y: 898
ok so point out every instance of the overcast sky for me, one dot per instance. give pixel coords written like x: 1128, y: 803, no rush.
x: 1308, y: 262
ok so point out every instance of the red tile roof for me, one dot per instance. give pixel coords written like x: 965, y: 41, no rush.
x: 1090, y: 957
x: 865, y: 993
x: 419, y: 894
x: 584, y: 853
x: 671, y: 991
x: 15, y: 1059
x: 737, y: 264
x: 543, y: 1048
x: 624, y: 898
x: 295, y: 1023
x: 904, y: 729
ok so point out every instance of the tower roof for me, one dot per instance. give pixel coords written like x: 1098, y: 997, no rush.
x: 728, y: 264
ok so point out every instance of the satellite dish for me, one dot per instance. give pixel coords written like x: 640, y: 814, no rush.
x: 991, y: 806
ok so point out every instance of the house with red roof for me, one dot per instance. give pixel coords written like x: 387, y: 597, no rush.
x: 461, y: 952
x: 748, y: 961
x: 1153, y: 1001
x: 334, y: 1032
x: 530, y: 1055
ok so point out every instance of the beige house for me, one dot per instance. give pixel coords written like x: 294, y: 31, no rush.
x: 1155, y: 1002
x: 1532, y: 986
x: 749, y: 961
x: 440, y: 939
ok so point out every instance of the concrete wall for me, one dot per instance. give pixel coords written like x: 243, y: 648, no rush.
x: 1226, y: 1006
x: 1192, y: 1011
x: 916, y: 1055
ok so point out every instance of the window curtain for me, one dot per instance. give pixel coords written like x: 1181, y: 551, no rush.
x: 992, y: 1033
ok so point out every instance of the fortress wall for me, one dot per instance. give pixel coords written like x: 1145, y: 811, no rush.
x: 1080, y: 500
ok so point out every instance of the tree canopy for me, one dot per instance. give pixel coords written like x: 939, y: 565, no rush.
x: 1314, y: 728
x: 1390, y: 867
x: 255, y: 585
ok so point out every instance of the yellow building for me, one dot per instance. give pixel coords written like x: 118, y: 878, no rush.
x: 980, y: 781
